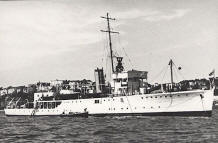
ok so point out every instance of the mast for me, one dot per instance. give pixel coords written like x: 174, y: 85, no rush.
x: 109, y: 35
x: 171, y: 70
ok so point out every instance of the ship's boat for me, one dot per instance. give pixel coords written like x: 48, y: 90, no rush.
x: 128, y: 93
x: 75, y: 114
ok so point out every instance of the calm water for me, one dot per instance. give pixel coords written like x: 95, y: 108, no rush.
x: 109, y: 129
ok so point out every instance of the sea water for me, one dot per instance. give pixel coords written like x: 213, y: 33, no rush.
x: 109, y: 129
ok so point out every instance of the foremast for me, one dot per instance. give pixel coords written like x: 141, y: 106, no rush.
x: 109, y: 35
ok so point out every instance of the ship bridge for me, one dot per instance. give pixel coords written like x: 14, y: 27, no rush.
x: 128, y: 82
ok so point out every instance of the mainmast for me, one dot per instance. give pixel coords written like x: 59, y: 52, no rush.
x: 109, y: 35
x: 171, y: 70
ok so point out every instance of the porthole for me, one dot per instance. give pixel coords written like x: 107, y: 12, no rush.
x: 151, y: 97
x: 144, y: 107
x: 160, y: 96
x: 142, y: 97
x: 146, y: 97
x: 121, y: 108
x: 158, y: 106
x: 170, y: 95
x: 166, y: 96
x: 155, y: 96
x: 178, y: 95
x: 114, y: 108
x: 127, y: 108
x: 135, y: 107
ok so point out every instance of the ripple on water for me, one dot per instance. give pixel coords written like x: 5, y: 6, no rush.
x: 109, y: 129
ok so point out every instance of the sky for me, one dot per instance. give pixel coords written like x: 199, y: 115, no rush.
x: 43, y: 40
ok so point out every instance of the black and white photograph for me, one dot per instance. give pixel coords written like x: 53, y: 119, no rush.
x: 108, y: 71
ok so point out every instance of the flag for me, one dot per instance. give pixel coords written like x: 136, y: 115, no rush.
x: 212, y: 73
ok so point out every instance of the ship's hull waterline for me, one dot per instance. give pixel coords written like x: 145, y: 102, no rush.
x: 186, y: 103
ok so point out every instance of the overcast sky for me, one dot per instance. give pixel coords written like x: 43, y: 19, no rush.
x: 60, y: 39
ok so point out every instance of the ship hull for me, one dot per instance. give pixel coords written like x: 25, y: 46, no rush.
x: 183, y: 114
x: 187, y: 103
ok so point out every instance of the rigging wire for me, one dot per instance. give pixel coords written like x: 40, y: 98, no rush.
x: 103, y: 46
x: 164, y: 74
x: 179, y: 72
x: 174, y: 70
x: 164, y: 68
x: 122, y: 48
x: 107, y: 58
x: 105, y: 52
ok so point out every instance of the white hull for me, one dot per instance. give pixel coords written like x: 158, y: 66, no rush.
x: 187, y: 103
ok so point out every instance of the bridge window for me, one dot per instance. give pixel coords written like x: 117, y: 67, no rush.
x: 49, y: 105
x: 96, y: 101
x: 41, y: 105
x: 45, y: 105
x: 53, y: 104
